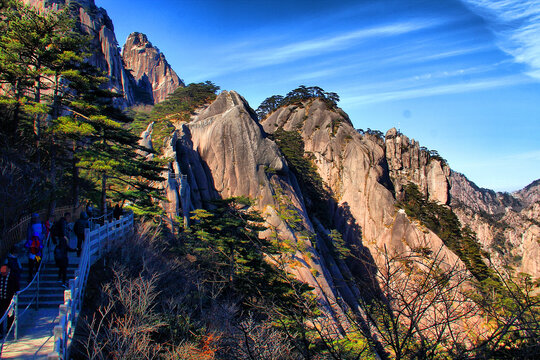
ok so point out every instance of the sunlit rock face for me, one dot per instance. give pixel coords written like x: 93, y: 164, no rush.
x: 408, y: 162
x: 506, y: 225
x: 154, y: 78
x: 105, y: 53
x: 224, y: 152
x: 356, y: 169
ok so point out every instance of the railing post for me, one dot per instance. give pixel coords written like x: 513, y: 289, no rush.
x: 16, y: 316
x: 38, y: 278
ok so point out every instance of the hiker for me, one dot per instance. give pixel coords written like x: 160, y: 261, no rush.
x: 117, y: 212
x: 61, y: 259
x: 48, y: 224
x: 79, y: 228
x: 89, y: 211
x: 34, y: 244
x: 14, y: 264
x: 60, y: 228
x: 8, y: 287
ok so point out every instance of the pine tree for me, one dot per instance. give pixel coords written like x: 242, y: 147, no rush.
x: 52, y: 95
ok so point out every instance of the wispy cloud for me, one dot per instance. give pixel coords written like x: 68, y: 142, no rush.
x: 516, y: 24
x: 379, y: 97
x: 251, y: 59
x: 339, y: 42
x: 530, y: 155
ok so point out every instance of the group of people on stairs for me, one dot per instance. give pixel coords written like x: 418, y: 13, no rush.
x: 36, y: 235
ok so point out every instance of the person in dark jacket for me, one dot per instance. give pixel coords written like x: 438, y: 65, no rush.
x: 117, y: 212
x: 60, y: 228
x: 79, y: 228
x: 8, y: 287
x: 14, y: 264
x: 34, y: 243
x: 61, y: 259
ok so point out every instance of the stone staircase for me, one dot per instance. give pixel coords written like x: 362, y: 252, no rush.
x: 51, y: 291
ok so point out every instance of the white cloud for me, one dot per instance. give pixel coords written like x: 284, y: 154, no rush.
x: 252, y: 59
x: 378, y: 97
x: 530, y: 155
x: 324, y: 45
x: 516, y: 24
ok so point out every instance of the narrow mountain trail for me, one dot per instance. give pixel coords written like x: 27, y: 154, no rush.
x: 36, y: 339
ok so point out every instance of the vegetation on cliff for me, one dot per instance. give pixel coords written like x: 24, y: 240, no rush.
x: 208, y: 294
x: 179, y: 106
x: 442, y: 221
x: 61, y: 138
x: 296, y: 97
x: 315, y: 193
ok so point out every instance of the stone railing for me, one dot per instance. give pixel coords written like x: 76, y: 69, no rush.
x: 96, y: 243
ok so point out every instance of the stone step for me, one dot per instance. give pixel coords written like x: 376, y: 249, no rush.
x: 71, y: 264
x: 47, y: 277
x: 24, y: 299
x: 52, y: 287
x: 48, y: 304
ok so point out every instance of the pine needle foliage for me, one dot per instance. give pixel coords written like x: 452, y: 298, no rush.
x: 443, y: 222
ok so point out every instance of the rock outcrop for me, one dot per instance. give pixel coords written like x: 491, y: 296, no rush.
x: 506, y: 225
x: 223, y: 152
x: 154, y: 78
x: 465, y: 192
x: 353, y: 166
x: 408, y: 162
x: 530, y: 194
x: 105, y: 53
x: 150, y: 78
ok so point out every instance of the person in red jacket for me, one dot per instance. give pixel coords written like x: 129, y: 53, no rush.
x: 34, y: 243
x: 8, y: 287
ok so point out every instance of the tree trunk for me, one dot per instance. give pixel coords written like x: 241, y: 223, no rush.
x: 55, y: 114
x: 37, y: 119
x: 104, y: 194
x: 75, y: 184
x: 52, y: 174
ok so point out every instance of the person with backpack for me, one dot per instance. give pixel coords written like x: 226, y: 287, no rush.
x: 14, y: 264
x: 34, y: 244
x: 61, y: 259
x: 79, y: 228
x: 8, y: 287
x: 60, y: 228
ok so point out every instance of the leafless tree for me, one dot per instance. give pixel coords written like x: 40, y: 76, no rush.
x: 124, y: 325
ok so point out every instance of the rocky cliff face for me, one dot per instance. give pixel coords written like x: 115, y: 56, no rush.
x: 223, y: 152
x: 506, y: 225
x: 95, y: 22
x: 149, y: 78
x: 465, y: 192
x: 354, y: 167
x: 407, y: 162
x: 154, y: 77
x: 530, y: 194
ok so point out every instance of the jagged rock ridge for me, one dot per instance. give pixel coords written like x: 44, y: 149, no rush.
x: 224, y: 152
x: 154, y: 77
x: 354, y: 167
x: 407, y: 162
x: 106, y: 55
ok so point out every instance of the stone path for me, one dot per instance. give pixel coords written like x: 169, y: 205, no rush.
x: 36, y: 339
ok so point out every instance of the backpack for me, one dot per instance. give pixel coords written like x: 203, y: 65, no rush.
x: 35, y: 245
x: 59, y: 253
x: 56, y: 229
x: 79, y: 228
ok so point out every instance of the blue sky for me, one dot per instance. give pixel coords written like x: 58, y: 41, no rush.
x: 460, y: 76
